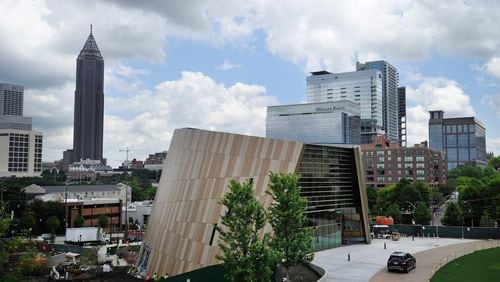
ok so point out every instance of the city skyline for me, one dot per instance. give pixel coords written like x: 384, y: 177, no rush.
x: 217, y: 66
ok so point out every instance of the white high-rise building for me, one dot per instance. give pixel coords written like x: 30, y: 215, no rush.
x: 390, y: 106
x: 361, y: 87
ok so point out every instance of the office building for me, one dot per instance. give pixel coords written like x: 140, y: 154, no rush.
x: 182, y: 235
x: 20, y: 153
x: 387, y: 163
x: 390, y: 105
x: 361, y: 87
x: 89, y: 103
x: 463, y: 139
x: 315, y: 123
x: 402, y: 116
x: 20, y: 147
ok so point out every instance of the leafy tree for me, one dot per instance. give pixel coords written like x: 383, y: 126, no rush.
x: 486, y: 220
x: 246, y: 255
x: 53, y: 222
x: 393, y: 211
x: 78, y: 222
x: 453, y: 215
x: 291, y: 238
x: 421, y: 214
x: 372, y: 198
x: 494, y: 162
x: 103, y: 221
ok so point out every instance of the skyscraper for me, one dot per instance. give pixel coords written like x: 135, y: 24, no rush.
x: 89, y: 103
x: 390, y: 105
x: 11, y: 99
x: 402, y: 115
x: 463, y: 139
x: 361, y: 87
x: 20, y: 147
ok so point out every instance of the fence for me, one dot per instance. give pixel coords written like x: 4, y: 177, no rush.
x: 468, y: 249
x: 448, y: 231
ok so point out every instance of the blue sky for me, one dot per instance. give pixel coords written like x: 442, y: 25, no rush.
x: 217, y: 64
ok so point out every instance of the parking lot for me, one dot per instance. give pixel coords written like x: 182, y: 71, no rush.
x: 362, y: 262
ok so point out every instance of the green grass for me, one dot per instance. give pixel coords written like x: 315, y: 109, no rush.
x: 479, y: 266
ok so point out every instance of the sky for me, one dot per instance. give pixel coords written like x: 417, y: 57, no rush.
x: 217, y: 64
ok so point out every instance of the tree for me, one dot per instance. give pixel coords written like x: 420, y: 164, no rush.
x: 393, y: 211
x: 494, y: 162
x: 453, y: 215
x: 246, y: 255
x: 421, y: 214
x: 53, y: 223
x: 371, y: 193
x: 78, y: 222
x: 291, y: 238
x: 486, y: 220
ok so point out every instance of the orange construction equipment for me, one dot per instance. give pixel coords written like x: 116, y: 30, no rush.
x: 385, y: 220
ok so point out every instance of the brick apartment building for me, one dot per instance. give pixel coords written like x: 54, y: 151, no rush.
x: 386, y: 163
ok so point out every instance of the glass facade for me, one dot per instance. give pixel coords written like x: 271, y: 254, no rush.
x: 463, y: 139
x: 361, y: 87
x: 89, y: 103
x: 390, y: 105
x: 329, y: 182
x: 317, y: 123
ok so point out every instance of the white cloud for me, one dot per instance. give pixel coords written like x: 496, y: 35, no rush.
x: 228, y: 65
x: 193, y: 100
x: 492, y: 67
x: 493, y: 101
x: 493, y: 145
x: 436, y: 93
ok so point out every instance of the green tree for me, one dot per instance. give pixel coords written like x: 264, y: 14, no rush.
x: 421, y: 214
x: 393, y: 211
x: 486, y: 220
x: 291, y: 238
x: 371, y: 193
x: 53, y: 223
x: 78, y: 222
x: 453, y: 215
x: 246, y: 255
x: 494, y: 162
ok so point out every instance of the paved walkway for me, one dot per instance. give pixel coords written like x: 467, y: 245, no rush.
x: 368, y: 261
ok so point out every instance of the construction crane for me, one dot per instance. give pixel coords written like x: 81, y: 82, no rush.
x: 128, y: 150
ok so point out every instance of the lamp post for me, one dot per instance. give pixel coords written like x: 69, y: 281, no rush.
x: 66, y: 205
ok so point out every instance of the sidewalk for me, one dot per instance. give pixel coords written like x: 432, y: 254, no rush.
x: 367, y: 260
x: 429, y: 261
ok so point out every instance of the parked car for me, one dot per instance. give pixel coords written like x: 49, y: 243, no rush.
x: 401, y: 261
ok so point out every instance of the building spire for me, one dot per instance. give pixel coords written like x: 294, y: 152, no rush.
x: 90, y: 48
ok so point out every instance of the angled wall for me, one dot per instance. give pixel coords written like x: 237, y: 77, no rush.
x: 181, y: 234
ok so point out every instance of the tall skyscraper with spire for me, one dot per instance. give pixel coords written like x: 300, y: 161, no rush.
x: 89, y: 103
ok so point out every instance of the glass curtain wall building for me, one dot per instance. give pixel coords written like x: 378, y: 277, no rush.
x: 463, y: 139
x: 317, y: 123
x: 390, y: 105
x: 361, y: 87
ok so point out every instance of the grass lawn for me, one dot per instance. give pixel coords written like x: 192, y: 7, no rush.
x: 480, y: 266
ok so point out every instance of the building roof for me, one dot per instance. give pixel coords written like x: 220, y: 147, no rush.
x: 80, y: 188
x: 90, y: 48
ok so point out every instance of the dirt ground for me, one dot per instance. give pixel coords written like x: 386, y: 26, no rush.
x: 302, y: 273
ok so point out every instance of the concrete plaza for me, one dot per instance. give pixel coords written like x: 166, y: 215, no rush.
x: 367, y: 262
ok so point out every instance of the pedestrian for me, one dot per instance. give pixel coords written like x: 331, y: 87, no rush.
x: 155, y: 277
x: 165, y: 276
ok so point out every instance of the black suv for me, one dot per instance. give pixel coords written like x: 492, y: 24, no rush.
x: 401, y: 261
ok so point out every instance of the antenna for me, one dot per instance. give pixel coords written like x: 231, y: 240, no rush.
x: 90, y: 28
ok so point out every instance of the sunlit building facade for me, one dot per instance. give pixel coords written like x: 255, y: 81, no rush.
x: 463, y: 139
x: 182, y: 234
x: 315, y: 123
